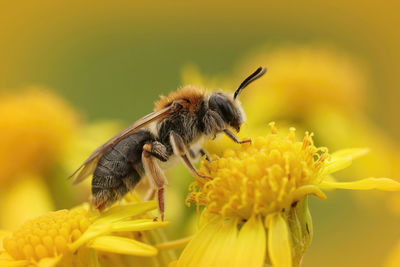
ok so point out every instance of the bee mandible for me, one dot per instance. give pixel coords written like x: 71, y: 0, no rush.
x: 178, y: 122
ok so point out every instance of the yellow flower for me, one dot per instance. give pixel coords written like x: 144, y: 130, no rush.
x: 301, y: 80
x: 23, y: 200
x: 257, y: 200
x: 312, y: 87
x: 73, y: 237
x: 35, y: 126
x: 322, y: 89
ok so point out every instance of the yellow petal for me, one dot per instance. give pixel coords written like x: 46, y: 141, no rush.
x: 342, y: 159
x: 221, y: 249
x: 120, y: 212
x: 251, y: 244
x: 91, y: 232
x: 122, y: 245
x: 350, y: 152
x: 101, y: 228
x: 330, y: 178
x: 305, y: 190
x: 49, y: 262
x: 88, y: 257
x: 193, y: 252
x: 136, y: 225
x: 384, y: 184
x: 278, y: 242
x: 211, y: 246
x: 174, y: 244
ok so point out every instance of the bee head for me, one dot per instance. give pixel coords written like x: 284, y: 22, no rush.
x: 229, y: 108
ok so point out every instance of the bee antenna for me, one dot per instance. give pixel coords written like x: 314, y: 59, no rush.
x: 257, y: 74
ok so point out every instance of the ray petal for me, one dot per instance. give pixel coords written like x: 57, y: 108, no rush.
x: 384, y: 184
x: 251, y: 244
x: 122, y: 245
x: 278, y: 242
x: 343, y: 158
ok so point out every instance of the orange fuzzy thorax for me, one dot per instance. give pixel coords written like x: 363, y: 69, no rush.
x: 194, y: 94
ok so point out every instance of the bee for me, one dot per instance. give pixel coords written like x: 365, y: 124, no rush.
x: 178, y: 122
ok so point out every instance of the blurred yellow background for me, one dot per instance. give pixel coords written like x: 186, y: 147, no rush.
x: 106, y: 63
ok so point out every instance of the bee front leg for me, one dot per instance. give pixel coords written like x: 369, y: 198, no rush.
x: 178, y: 146
x: 235, y: 138
x: 194, y: 153
x: 156, y: 176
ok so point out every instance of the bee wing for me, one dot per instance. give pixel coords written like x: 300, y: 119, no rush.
x: 89, y: 165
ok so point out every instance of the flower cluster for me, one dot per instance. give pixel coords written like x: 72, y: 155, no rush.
x: 256, y: 200
x: 262, y: 178
x: 47, y: 235
x: 65, y: 235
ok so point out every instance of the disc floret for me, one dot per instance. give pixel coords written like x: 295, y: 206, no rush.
x: 47, y: 235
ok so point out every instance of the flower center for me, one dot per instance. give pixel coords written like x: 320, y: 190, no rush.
x: 259, y: 178
x: 47, y: 235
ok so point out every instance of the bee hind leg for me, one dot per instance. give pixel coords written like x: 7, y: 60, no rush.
x: 156, y: 176
x: 159, y: 151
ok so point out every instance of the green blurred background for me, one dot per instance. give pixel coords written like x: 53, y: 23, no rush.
x: 101, y: 55
x: 112, y: 60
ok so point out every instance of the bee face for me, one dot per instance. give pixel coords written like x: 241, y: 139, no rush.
x: 228, y: 109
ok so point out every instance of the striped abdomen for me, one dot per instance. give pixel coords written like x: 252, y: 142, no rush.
x: 117, y: 171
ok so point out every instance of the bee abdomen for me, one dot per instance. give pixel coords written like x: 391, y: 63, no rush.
x: 108, y: 187
x: 118, y: 167
x: 117, y: 171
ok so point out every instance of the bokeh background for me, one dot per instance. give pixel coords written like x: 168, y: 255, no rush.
x: 72, y: 74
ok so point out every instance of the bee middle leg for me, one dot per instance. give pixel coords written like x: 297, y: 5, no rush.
x: 156, y: 176
x: 157, y: 150
x: 178, y: 147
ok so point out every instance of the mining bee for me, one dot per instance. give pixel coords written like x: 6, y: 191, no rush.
x: 178, y: 122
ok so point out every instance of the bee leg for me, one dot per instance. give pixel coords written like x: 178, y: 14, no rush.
x: 204, y: 153
x: 150, y: 194
x: 235, y: 138
x: 178, y: 147
x: 155, y: 175
x: 213, y: 123
x: 194, y: 153
x: 157, y: 150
